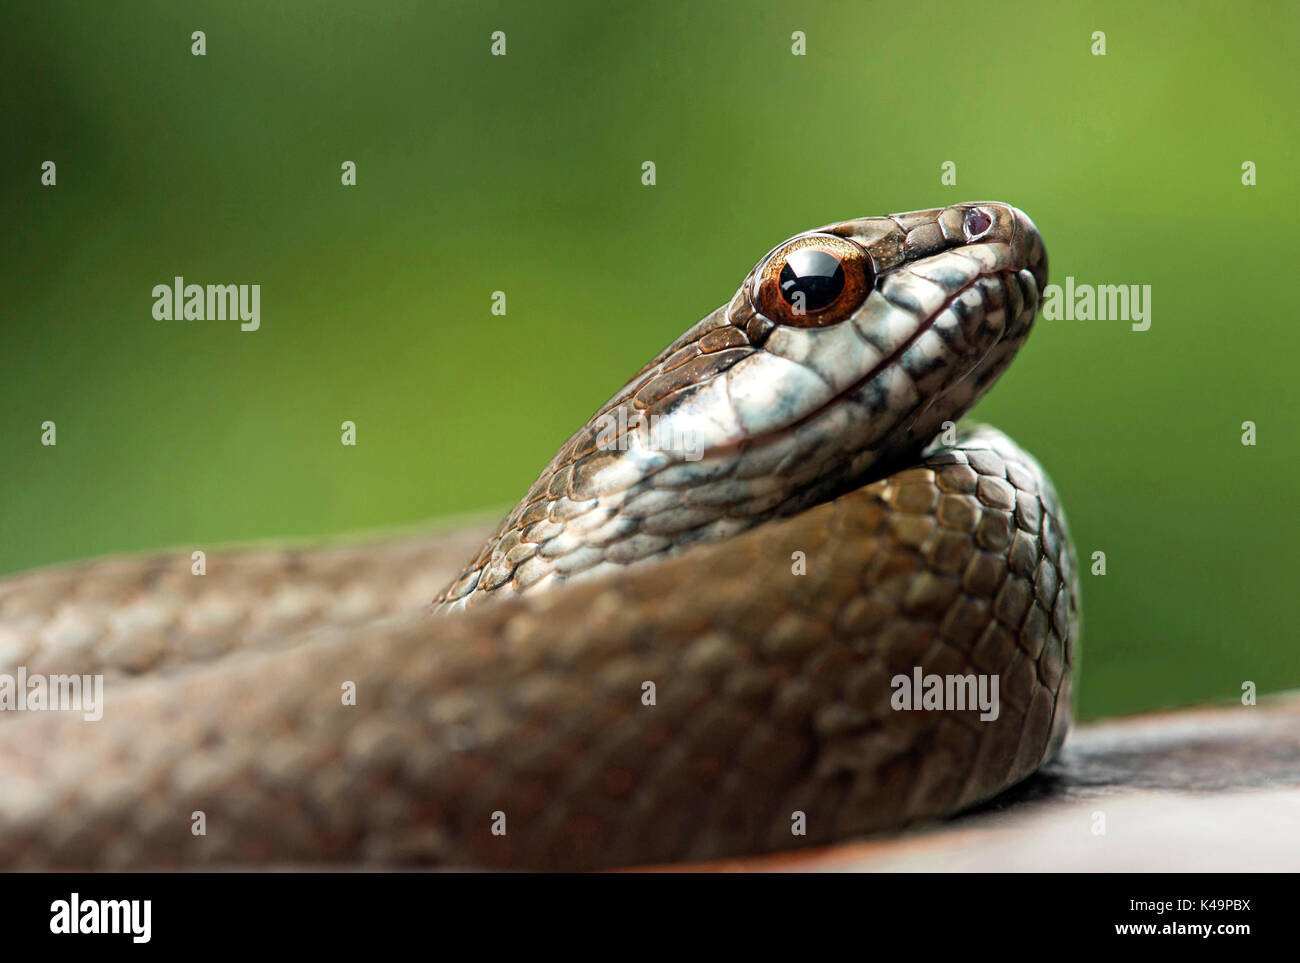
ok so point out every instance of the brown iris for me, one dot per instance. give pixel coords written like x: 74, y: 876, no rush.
x: 813, y: 281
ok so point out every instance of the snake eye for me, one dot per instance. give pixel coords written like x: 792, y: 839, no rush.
x: 813, y: 281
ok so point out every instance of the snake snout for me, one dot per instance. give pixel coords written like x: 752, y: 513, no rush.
x: 988, y: 222
x: 1027, y: 243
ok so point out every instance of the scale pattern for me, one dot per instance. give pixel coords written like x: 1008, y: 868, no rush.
x: 772, y: 697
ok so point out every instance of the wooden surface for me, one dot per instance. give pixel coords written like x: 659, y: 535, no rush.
x: 1215, y: 789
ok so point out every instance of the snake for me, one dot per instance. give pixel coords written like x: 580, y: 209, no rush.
x: 737, y: 613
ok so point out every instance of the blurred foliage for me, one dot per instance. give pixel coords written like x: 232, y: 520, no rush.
x: 522, y: 173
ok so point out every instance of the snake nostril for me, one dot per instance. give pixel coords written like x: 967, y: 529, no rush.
x: 977, y: 223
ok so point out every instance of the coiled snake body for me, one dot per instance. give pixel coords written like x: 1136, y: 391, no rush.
x: 699, y: 615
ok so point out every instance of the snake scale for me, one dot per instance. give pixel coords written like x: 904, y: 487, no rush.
x: 683, y: 643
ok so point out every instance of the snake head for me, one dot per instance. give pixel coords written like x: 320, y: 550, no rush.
x: 843, y: 345
x: 843, y: 351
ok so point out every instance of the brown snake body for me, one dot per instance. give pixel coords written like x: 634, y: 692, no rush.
x: 698, y: 615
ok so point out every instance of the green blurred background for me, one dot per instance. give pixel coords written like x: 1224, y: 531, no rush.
x: 523, y: 174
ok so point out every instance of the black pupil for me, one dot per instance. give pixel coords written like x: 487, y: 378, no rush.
x: 816, y: 275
